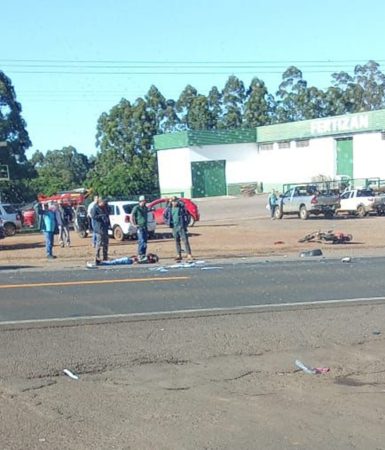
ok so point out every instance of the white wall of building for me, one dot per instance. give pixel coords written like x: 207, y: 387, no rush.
x: 299, y: 164
x: 174, y: 170
x: 368, y: 156
x: 241, y: 160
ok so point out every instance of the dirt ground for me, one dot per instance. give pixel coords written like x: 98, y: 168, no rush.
x: 229, y: 227
x: 201, y: 382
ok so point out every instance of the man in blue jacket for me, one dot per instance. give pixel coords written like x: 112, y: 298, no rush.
x: 47, y: 226
x: 176, y: 217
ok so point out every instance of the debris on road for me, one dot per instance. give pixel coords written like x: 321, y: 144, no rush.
x: 311, y: 370
x: 346, y: 259
x: 315, y: 252
x: 70, y: 374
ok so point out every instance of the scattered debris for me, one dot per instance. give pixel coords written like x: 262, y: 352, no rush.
x: 346, y: 259
x: 315, y: 252
x: 70, y: 374
x: 278, y: 242
x: 311, y: 370
x: 211, y: 268
x: 376, y: 332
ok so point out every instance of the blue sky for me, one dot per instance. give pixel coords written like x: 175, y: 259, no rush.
x: 71, y: 61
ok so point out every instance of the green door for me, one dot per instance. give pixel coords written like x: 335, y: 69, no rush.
x: 345, y: 157
x: 208, y: 178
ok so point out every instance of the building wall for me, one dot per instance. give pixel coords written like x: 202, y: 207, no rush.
x: 296, y: 164
x: 369, y: 155
x: 174, y: 172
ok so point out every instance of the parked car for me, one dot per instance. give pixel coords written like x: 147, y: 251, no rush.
x: 361, y: 202
x: 159, y: 205
x: 2, y: 232
x: 121, y: 221
x: 11, y: 219
x: 304, y: 200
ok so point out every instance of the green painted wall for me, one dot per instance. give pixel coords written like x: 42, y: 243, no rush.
x: 328, y: 126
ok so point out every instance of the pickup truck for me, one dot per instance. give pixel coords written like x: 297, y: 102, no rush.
x: 306, y: 200
x: 361, y: 202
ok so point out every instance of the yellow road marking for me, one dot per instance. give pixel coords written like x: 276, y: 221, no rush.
x: 79, y: 283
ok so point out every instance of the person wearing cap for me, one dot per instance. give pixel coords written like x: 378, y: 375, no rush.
x: 176, y: 217
x: 139, y: 219
x: 101, y: 221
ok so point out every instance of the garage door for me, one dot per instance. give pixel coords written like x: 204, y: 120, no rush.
x: 208, y: 178
x: 345, y: 157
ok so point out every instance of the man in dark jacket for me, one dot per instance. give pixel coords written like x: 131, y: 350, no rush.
x: 101, y: 223
x: 139, y: 219
x: 176, y: 217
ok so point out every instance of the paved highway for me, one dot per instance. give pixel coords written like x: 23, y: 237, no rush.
x: 108, y: 293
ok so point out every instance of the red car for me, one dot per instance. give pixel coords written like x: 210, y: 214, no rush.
x: 159, y: 205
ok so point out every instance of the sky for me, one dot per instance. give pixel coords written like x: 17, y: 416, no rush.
x: 71, y: 61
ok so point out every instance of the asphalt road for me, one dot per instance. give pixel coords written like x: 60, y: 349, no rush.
x: 109, y: 293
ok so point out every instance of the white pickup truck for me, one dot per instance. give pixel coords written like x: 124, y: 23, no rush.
x: 361, y: 202
x: 304, y: 200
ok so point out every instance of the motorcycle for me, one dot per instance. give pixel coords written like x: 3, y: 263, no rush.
x: 81, y: 224
x: 328, y: 236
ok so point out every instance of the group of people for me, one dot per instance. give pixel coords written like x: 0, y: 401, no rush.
x: 56, y: 218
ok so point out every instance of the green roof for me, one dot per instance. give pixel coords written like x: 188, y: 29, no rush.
x: 204, y: 137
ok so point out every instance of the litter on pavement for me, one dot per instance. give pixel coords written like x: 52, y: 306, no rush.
x: 311, y: 370
x: 70, y: 374
x: 347, y: 259
x: 315, y: 252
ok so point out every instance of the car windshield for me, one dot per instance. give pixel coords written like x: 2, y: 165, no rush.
x: 9, y: 209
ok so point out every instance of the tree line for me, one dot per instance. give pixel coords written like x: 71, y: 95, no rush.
x: 125, y: 163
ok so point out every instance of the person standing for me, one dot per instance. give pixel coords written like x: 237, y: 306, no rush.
x: 139, y: 219
x: 65, y: 212
x: 273, y: 203
x: 101, y: 223
x: 91, y: 225
x: 48, y: 225
x: 176, y: 217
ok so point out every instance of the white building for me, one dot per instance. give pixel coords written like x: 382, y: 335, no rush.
x: 209, y: 163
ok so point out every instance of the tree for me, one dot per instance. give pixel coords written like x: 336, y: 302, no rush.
x: 199, y: 116
x: 183, y: 105
x: 13, y: 132
x: 215, y: 106
x: 364, y: 91
x: 59, y: 170
x: 126, y: 163
x: 233, y: 96
x: 259, y: 105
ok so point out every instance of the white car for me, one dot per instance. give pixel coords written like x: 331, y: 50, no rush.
x: 11, y: 219
x: 121, y: 220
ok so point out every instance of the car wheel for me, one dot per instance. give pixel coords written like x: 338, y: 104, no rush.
x: 10, y: 229
x: 329, y: 215
x: 278, y: 214
x: 82, y: 234
x: 303, y: 213
x: 361, y: 211
x: 118, y: 233
x: 151, y: 234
